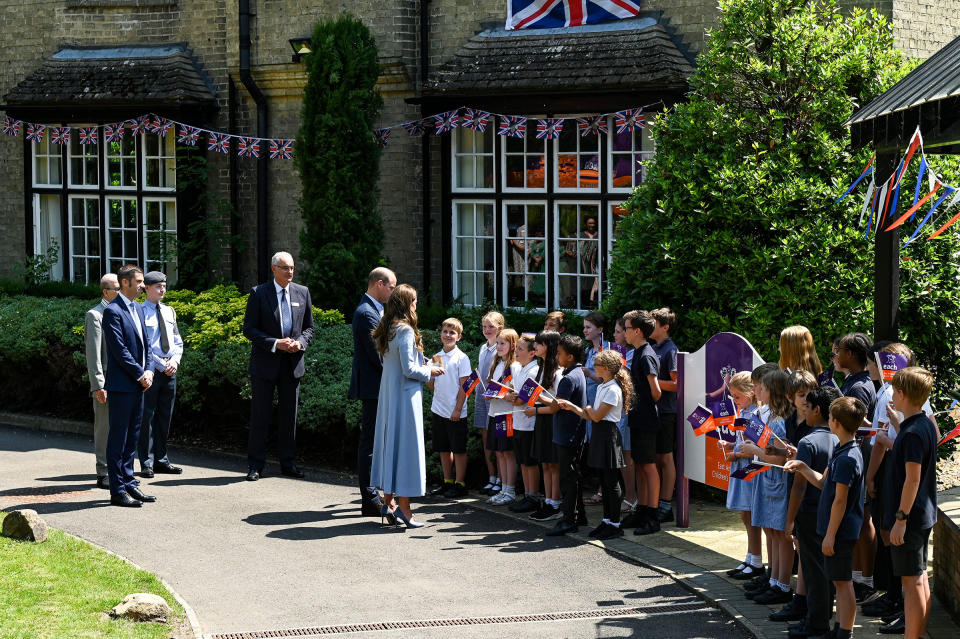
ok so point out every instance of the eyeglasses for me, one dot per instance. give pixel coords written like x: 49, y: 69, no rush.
x: 286, y: 268
x: 112, y: 289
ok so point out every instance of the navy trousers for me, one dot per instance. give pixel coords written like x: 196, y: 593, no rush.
x: 155, y: 427
x: 368, y: 426
x: 261, y: 408
x: 126, y: 410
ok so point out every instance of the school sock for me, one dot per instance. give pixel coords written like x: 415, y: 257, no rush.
x: 460, y: 483
x: 843, y: 634
x: 858, y: 576
x: 867, y: 581
x: 447, y: 481
x: 493, y: 479
x: 664, y: 505
x: 783, y: 587
x: 509, y: 490
x: 615, y: 524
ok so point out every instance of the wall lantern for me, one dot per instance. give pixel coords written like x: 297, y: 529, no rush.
x: 301, y: 47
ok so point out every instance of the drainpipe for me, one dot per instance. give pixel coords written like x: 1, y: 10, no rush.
x: 425, y: 143
x: 263, y: 272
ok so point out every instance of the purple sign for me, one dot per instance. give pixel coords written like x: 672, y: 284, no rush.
x: 889, y: 363
x: 726, y: 355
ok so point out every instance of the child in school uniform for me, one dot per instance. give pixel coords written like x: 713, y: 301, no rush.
x: 526, y: 367
x: 769, y: 508
x: 910, y: 493
x: 594, y: 325
x: 549, y: 375
x: 629, y: 472
x: 667, y: 352
x: 606, y: 451
x: 568, y: 434
x: 491, y: 324
x: 501, y: 371
x: 840, y: 508
x: 449, y: 410
x: 555, y: 321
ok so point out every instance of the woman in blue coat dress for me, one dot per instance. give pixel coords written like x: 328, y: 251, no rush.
x: 398, y: 466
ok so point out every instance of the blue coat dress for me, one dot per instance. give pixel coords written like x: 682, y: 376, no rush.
x: 398, y: 459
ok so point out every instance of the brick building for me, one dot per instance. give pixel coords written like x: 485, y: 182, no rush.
x: 469, y: 215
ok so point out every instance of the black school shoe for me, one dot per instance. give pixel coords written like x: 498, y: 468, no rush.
x: 882, y: 606
x: 775, y: 595
x: 736, y: 571
x: 750, y: 572
x: 760, y: 582
x: 895, y: 627
x: 753, y: 594
x: 862, y: 591
x: 610, y: 532
x: 793, y: 611
x: 526, y: 505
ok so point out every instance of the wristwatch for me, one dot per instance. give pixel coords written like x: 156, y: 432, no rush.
x: 900, y: 516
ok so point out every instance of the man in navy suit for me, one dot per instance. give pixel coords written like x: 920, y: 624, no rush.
x: 279, y: 324
x: 129, y: 374
x: 365, y: 377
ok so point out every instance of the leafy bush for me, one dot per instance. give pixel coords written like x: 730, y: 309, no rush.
x: 49, y: 289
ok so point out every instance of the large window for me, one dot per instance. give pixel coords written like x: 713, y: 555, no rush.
x: 105, y: 204
x: 533, y: 222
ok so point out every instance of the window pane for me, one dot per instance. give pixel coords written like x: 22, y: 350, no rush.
x: 622, y: 170
x: 568, y: 291
x: 485, y: 255
x: 466, y: 259
x: 485, y: 172
x: 567, y: 171
x: 465, y: 173
x: 514, y: 145
x: 535, y: 172
x: 485, y: 219
x: 589, y: 171
x: 514, y: 176
x: 590, y: 143
x: 464, y: 140
x: 466, y: 290
x: 568, y: 138
x: 622, y: 141
x: 465, y: 220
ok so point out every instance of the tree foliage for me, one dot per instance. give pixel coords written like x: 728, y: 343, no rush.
x: 736, y: 227
x: 339, y: 162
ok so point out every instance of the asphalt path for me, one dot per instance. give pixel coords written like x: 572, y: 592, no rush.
x: 282, y: 554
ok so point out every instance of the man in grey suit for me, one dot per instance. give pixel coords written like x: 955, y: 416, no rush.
x: 166, y: 346
x: 97, y: 358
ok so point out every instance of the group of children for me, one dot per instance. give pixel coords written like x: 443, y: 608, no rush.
x: 842, y: 462
x: 614, y: 402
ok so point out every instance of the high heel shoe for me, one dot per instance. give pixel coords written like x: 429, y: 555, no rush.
x: 387, y: 516
x: 401, y: 516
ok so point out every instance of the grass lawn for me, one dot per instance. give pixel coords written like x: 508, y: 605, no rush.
x: 60, y: 589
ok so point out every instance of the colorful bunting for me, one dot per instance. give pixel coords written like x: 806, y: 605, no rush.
x: 11, y: 126
x: 188, y: 135
x: 219, y: 142
x: 382, y: 136
x: 629, y: 120
x: 35, y: 132
x: 88, y: 135
x: 138, y: 124
x: 475, y: 120
x: 248, y: 147
x: 414, y: 127
x: 113, y: 132
x: 60, y: 135
x: 446, y: 121
x: 592, y: 125
x: 282, y: 149
x: 549, y: 129
x: 513, y: 126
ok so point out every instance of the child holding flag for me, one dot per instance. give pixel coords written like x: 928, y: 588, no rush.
x: 449, y: 408
x: 629, y: 472
x: 491, y: 324
x: 549, y: 375
x: 525, y: 368
x: 613, y: 397
x: 594, y: 324
x: 501, y: 373
x: 667, y: 351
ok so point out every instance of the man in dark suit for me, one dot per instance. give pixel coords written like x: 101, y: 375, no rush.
x: 129, y: 374
x: 279, y: 324
x: 365, y: 377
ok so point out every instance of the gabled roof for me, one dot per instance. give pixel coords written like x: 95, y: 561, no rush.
x: 938, y: 78
x: 140, y: 76
x: 624, y: 55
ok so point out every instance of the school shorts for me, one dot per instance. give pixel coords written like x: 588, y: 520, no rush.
x: 839, y: 567
x: 667, y: 435
x: 910, y: 559
x: 523, y: 447
x: 448, y: 436
x: 643, y: 446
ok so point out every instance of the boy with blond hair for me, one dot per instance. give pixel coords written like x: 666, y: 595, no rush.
x: 449, y: 409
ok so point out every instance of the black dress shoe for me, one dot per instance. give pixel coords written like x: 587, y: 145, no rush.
x: 892, y: 616
x: 292, y: 471
x: 793, y: 611
x: 103, y: 482
x: 610, y: 532
x: 167, y: 469
x: 254, y: 475
x: 773, y: 596
x: 582, y: 520
x: 562, y: 528
x: 753, y: 594
x: 749, y: 572
x: 146, y: 472
x: 895, y: 627
x: 371, y: 509
x: 125, y: 500
x: 139, y: 496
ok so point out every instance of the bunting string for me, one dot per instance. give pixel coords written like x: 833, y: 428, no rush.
x: 880, y: 203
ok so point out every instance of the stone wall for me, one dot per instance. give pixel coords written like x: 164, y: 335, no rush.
x: 946, y: 551
x: 922, y: 27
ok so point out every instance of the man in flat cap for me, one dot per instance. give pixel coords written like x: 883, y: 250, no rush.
x: 166, y: 347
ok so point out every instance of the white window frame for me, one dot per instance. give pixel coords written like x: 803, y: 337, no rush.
x: 634, y: 154
x: 556, y: 252
x: 168, y: 265
x: 86, y: 150
x: 529, y: 136
x: 108, y: 229
x: 572, y: 123
x: 456, y: 154
x: 146, y: 158
x: 455, y: 235
x: 35, y: 148
x: 71, y: 226
x: 40, y: 243
x: 107, y: 156
x: 505, y: 271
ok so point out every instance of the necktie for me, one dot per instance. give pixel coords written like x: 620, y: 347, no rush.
x: 286, y: 318
x: 162, y: 327
x: 136, y: 323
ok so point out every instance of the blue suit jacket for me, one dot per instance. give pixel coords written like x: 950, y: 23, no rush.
x: 367, y: 366
x: 261, y: 325
x: 124, y: 347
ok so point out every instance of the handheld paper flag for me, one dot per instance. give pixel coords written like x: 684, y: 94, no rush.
x: 530, y: 391
x: 749, y: 471
x: 826, y: 378
x: 889, y: 363
x: 503, y: 425
x: 471, y: 383
x: 866, y: 432
x: 949, y: 435
x: 758, y: 432
x: 701, y: 419
x: 496, y: 390
x: 620, y: 348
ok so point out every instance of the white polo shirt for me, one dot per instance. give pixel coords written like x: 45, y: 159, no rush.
x: 520, y: 375
x: 447, y: 386
x: 610, y: 393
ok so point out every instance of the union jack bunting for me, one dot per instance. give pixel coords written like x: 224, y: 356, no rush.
x: 188, y: 135
x: 11, y: 126
x: 549, y: 129
x: 138, y: 124
x: 592, y: 125
x: 153, y: 124
x: 60, y: 135
x: 629, y: 120
x: 475, y: 120
x: 513, y: 126
x: 547, y: 14
x: 282, y: 149
x: 161, y: 126
x: 382, y: 136
x: 88, y: 135
x: 219, y: 142
x: 446, y: 121
x: 35, y: 132
x: 248, y: 147
x: 113, y: 132
x: 414, y: 127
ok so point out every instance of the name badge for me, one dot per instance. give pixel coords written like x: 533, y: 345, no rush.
x: 294, y: 303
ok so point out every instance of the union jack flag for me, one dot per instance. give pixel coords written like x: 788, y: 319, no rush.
x: 475, y: 120
x: 282, y: 149
x: 35, y: 132
x: 138, y: 124
x: 549, y: 129
x: 219, y: 142
x: 161, y: 126
x: 188, y: 135
x: 382, y: 136
x: 113, y: 132
x: 414, y: 127
x: 513, y: 126
x: 60, y: 135
x: 248, y: 147
x: 592, y: 125
x: 11, y: 126
x: 547, y: 14
x: 629, y: 120
x: 88, y: 135
x: 446, y: 121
